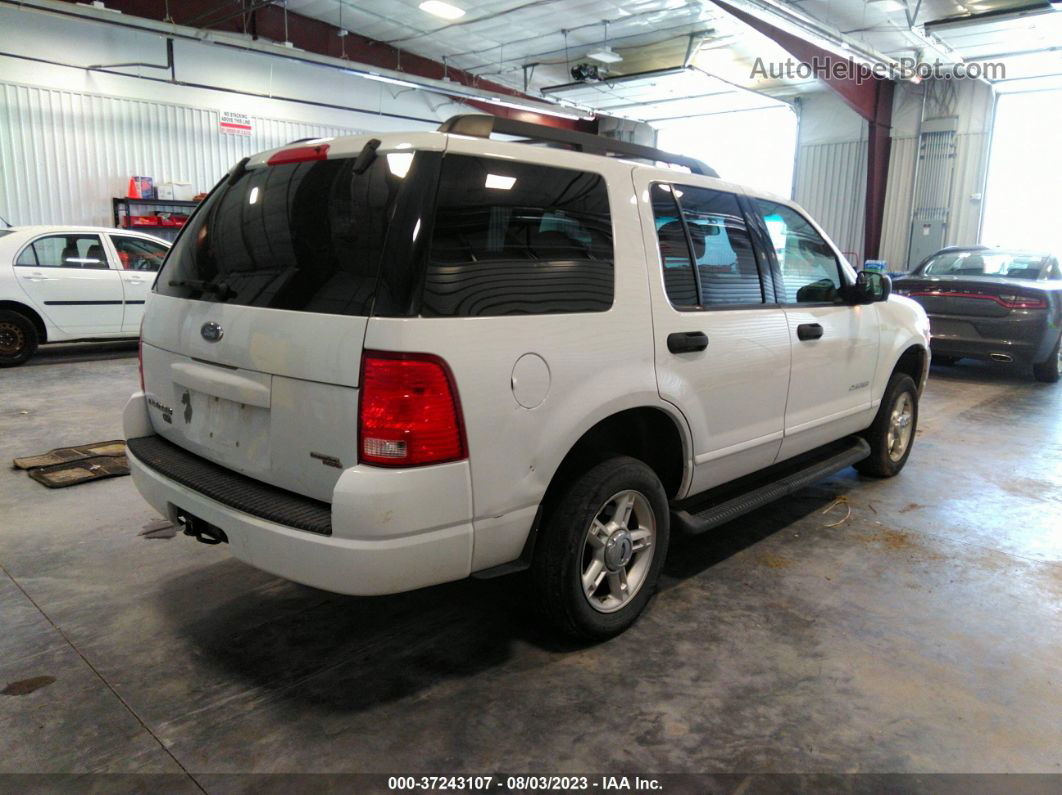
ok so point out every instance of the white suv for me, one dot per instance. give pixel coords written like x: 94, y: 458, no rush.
x: 64, y: 283
x: 373, y: 365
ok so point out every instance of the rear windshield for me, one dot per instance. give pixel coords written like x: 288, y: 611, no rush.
x: 985, y: 263
x: 302, y: 236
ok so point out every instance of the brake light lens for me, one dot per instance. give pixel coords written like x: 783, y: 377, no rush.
x: 1012, y: 301
x: 299, y: 154
x: 1022, y: 302
x: 409, y: 412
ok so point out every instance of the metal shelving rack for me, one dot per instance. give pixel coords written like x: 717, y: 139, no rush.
x: 121, y: 208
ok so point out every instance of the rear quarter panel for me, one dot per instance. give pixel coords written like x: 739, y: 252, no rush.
x: 598, y: 363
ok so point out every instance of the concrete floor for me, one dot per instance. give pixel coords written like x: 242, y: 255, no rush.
x: 922, y: 635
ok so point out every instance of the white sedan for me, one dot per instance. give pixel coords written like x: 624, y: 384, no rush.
x: 63, y: 283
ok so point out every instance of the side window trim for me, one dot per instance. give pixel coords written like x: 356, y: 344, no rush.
x: 765, y: 260
x: 689, y: 248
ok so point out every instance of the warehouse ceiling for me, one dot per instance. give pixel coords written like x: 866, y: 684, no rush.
x: 531, y: 45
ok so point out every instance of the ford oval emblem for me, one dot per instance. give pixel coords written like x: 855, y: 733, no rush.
x: 212, y: 331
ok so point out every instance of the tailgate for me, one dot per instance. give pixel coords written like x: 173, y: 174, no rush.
x: 276, y: 401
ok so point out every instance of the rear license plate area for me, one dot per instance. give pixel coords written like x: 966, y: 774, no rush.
x: 952, y: 328
x: 237, y: 431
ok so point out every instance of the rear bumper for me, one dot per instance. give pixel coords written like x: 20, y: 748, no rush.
x: 386, y: 537
x: 1023, y: 338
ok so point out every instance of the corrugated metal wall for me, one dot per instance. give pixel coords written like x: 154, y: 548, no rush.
x: 896, y: 228
x: 831, y: 184
x: 971, y: 161
x: 63, y: 155
x: 945, y: 192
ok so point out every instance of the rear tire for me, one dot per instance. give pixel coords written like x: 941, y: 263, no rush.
x: 18, y: 338
x: 599, y: 554
x: 891, y: 437
x: 947, y: 361
x: 1049, y: 370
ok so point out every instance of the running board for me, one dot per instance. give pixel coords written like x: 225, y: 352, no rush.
x: 720, y: 505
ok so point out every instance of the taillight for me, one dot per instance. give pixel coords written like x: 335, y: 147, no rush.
x: 409, y: 412
x: 299, y: 154
x: 1012, y: 301
x: 1022, y: 302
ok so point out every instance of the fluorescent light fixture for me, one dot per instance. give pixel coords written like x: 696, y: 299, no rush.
x: 440, y: 9
x: 532, y: 108
x: 887, y: 6
x: 398, y: 163
x: 394, y: 81
x: 253, y: 198
x: 498, y: 182
x: 605, y: 55
x: 571, y: 111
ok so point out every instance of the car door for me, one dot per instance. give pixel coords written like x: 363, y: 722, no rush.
x: 834, y: 343
x: 69, y: 278
x: 721, y: 343
x: 138, y: 259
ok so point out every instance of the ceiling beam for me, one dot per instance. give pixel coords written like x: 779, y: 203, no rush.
x: 864, y: 92
x: 265, y: 19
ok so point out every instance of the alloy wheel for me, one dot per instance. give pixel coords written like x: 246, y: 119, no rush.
x: 618, y: 551
x: 901, y: 422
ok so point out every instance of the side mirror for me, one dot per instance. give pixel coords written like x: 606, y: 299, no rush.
x: 870, y: 287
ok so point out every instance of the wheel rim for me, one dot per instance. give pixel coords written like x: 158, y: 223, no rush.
x: 618, y: 551
x: 12, y: 339
x: 901, y: 424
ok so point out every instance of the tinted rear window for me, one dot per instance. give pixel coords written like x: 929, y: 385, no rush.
x: 985, y: 263
x: 514, y: 238
x: 304, y: 236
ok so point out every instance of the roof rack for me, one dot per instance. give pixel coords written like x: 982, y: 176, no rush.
x: 482, y: 125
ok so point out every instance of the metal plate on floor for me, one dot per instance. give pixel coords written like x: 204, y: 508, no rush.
x: 71, y: 473
x: 62, y: 455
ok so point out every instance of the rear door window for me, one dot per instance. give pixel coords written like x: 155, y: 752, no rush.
x: 513, y: 238
x: 705, y: 248
x: 304, y: 236
x: 65, y: 251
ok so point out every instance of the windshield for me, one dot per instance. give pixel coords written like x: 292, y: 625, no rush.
x: 1011, y: 265
x: 301, y: 236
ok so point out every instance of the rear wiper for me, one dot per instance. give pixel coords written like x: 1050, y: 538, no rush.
x: 222, y: 291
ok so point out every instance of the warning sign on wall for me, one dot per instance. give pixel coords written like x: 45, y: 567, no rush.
x: 234, y: 123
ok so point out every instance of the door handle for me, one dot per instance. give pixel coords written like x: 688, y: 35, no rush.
x: 687, y: 341
x: 38, y: 277
x: 809, y: 331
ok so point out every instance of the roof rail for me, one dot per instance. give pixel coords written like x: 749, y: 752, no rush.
x: 482, y: 125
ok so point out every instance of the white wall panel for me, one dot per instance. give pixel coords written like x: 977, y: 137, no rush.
x: 830, y: 183
x: 896, y: 228
x: 64, y: 154
x: 971, y: 160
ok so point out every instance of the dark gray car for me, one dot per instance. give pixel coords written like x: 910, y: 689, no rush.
x: 998, y: 304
